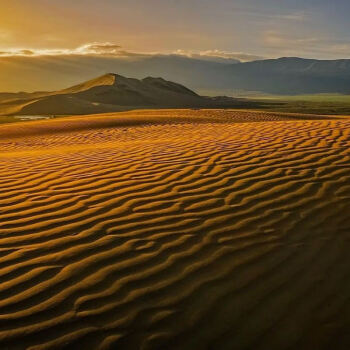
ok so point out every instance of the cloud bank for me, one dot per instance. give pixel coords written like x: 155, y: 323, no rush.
x: 108, y: 49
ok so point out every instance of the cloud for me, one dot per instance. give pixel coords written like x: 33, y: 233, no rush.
x: 300, y: 16
x: 219, y: 55
x: 278, y: 40
x: 27, y: 52
x: 104, y: 49
x: 289, y: 45
x: 275, y: 43
x: 272, y: 14
x: 108, y: 49
x: 99, y: 49
x: 91, y: 49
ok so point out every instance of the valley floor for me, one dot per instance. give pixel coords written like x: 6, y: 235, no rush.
x: 175, y: 230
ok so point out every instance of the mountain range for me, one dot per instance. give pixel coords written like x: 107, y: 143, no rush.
x: 111, y: 93
x: 288, y: 75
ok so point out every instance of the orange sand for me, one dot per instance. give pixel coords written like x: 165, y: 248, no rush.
x: 171, y: 230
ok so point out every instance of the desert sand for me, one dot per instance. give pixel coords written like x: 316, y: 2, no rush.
x: 175, y: 230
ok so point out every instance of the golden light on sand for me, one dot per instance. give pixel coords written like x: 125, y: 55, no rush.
x: 167, y: 229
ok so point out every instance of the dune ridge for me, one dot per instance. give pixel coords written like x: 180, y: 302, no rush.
x: 150, y: 117
x: 201, y: 234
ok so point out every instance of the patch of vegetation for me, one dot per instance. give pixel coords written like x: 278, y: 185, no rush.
x: 333, y: 104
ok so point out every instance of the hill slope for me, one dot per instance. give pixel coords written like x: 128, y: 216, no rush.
x: 110, y: 93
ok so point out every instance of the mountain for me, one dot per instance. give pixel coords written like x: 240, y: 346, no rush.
x: 110, y: 93
x: 289, y: 75
x: 38, y: 73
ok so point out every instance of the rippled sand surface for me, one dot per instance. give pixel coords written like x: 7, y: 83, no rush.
x: 175, y: 230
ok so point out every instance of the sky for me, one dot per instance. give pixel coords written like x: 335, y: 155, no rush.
x: 243, y: 29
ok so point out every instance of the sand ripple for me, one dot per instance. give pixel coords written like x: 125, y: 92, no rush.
x: 176, y: 236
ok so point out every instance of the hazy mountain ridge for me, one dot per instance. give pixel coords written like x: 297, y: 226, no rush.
x: 291, y: 75
x: 288, y: 75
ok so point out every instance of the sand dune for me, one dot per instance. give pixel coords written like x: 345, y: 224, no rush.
x: 113, y: 93
x: 175, y: 230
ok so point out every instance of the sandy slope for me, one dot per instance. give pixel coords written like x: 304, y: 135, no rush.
x: 170, y: 233
x: 113, y: 93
